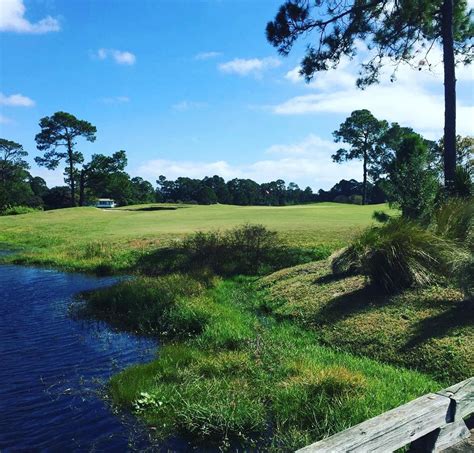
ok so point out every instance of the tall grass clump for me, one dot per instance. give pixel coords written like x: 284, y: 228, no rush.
x: 400, y: 254
x: 454, y: 220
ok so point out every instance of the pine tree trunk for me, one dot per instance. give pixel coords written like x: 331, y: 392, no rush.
x: 449, y: 96
x: 71, y: 174
x: 364, y: 195
x: 81, y: 188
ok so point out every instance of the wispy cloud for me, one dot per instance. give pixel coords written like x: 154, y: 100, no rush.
x: 252, y: 66
x: 16, y: 100
x: 115, y: 100
x: 306, y: 162
x: 12, y: 19
x: 183, y: 106
x: 309, y: 146
x: 207, y: 55
x: 123, y: 57
x: 414, y: 99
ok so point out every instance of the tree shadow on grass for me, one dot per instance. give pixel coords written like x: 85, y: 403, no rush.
x: 152, y: 208
x: 460, y: 315
x: 350, y: 304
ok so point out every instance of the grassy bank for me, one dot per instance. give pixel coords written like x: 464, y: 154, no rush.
x: 94, y: 240
x: 430, y: 329
x: 232, y: 372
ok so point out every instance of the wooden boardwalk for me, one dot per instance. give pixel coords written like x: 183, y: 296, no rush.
x: 465, y: 446
x: 432, y: 423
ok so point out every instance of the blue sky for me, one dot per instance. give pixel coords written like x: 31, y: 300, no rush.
x: 192, y: 88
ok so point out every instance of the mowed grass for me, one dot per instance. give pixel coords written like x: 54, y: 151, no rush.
x: 429, y: 329
x: 90, y: 239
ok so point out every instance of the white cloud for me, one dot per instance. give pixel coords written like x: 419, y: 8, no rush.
x: 414, y: 99
x: 184, y: 106
x: 16, y: 100
x: 12, y: 18
x: 310, y: 146
x: 207, y: 55
x: 115, y: 100
x: 119, y: 56
x: 307, y: 162
x: 253, y: 66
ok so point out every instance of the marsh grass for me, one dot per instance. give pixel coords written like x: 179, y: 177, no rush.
x: 229, y: 373
x: 400, y: 254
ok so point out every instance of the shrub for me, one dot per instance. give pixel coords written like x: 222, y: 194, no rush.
x: 17, y: 210
x: 356, y: 199
x: 400, y: 254
x: 245, y: 250
x: 454, y: 220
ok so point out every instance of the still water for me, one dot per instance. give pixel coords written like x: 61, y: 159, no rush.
x: 53, y: 368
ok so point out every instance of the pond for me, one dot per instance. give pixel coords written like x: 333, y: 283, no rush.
x: 53, y: 368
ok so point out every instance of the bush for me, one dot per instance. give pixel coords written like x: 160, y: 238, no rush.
x: 454, y: 220
x: 356, y: 199
x: 400, y: 254
x: 245, y: 250
x: 17, y: 210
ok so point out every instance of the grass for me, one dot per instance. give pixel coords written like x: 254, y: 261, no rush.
x: 110, y: 241
x: 430, y: 329
x: 236, y: 374
x: 274, y: 363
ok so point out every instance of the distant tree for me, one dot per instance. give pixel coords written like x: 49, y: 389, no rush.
x: 38, y: 186
x: 97, y: 174
x: 57, y: 139
x: 14, y: 187
x: 413, y: 186
x: 464, y: 151
x: 205, y: 195
x: 396, y: 31
x: 218, y: 185
x: 308, y: 195
x: 363, y: 132
x: 57, y: 197
x: 244, y: 192
x: 142, y: 191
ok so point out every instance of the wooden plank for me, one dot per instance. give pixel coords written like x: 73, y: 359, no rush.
x: 390, y: 430
x: 463, y: 395
x: 441, y: 438
x: 451, y: 434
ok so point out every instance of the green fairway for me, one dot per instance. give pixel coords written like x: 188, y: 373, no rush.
x: 83, y: 238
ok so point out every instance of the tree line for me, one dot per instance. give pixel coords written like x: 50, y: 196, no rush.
x: 397, y: 165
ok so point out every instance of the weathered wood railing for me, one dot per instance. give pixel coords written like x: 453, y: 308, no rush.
x: 430, y: 423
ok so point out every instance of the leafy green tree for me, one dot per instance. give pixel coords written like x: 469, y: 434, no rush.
x: 142, y: 191
x: 413, y: 186
x: 396, y: 31
x: 97, y: 174
x: 57, y: 197
x: 218, y: 185
x: 38, y: 186
x: 14, y: 187
x: 363, y: 132
x: 57, y: 139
